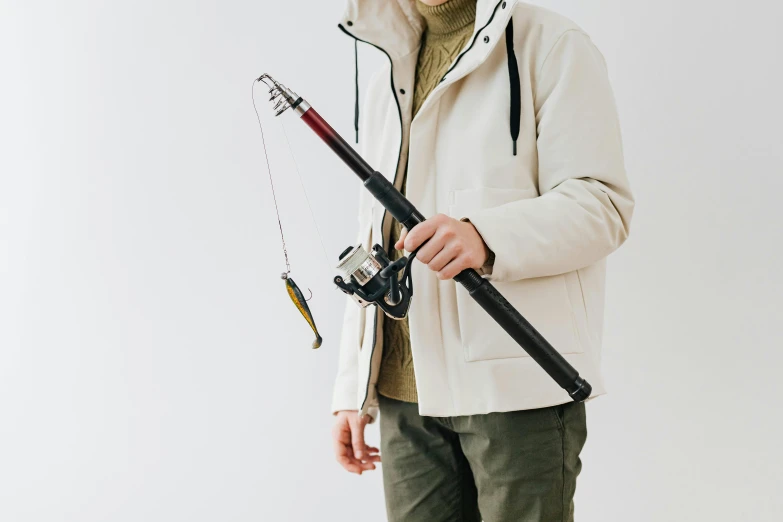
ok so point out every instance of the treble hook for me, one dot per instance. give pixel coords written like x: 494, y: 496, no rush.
x: 311, y: 295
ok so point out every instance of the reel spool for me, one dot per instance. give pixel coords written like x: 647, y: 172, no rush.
x: 371, y: 278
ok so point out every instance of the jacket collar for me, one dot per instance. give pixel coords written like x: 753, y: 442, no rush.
x: 395, y: 26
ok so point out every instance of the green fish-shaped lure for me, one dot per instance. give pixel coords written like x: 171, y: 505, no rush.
x: 301, y: 304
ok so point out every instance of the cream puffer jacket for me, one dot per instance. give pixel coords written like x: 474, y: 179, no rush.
x: 522, y: 138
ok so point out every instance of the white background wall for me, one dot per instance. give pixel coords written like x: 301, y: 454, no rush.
x: 151, y: 366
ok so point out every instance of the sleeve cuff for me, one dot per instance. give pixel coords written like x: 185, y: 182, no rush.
x: 486, y: 268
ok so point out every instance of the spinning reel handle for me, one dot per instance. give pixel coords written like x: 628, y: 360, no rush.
x: 390, y: 273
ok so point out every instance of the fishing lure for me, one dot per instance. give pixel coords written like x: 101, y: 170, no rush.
x: 301, y: 304
x: 296, y: 295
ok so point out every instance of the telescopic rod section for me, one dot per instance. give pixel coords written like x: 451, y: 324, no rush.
x: 481, y: 290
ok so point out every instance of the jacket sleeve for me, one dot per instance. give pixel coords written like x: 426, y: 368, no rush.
x: 583, y: 211
x: 346, y: 387
x: 345, y: 394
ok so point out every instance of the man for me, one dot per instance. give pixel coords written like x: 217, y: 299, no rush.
x: 496, y: 118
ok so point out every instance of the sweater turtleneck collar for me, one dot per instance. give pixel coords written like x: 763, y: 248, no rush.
x: 448, y: 17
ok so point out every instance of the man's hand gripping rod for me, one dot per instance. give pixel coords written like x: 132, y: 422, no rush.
x: 403, y: 211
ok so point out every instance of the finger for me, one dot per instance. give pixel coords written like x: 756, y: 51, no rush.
x: 343, y: 435
x: 347, y: 461
x: 357, y: 439
x: 367, y: 464
x: 344, y: 456
x: 443, y: 258
x: 401, y: 241
x: 372, y: 452
x: 343, y: 450
x: 456, y: 266
x: 422, y: 232
x: 350, y: 465
x: 359, y: 466
x: 433, y: 246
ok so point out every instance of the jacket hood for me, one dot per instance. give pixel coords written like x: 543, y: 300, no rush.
x: 396, y: 27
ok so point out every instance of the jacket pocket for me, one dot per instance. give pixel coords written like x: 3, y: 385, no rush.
x: 576, y: 295
x: 545, y: 302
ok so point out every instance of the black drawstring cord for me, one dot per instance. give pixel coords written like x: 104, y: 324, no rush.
x: 513, y: 78
x: 356, y: 80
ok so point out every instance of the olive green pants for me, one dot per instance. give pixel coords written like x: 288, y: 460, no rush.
x: 518, y: 466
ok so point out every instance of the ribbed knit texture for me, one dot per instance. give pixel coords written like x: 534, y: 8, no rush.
x: 449, y: 26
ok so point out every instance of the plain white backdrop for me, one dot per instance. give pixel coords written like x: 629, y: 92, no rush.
x: 151, y: 365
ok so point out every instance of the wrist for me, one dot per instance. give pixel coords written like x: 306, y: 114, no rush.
x: 489, y: 256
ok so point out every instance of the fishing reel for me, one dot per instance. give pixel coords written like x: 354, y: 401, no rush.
x: 371, y: 278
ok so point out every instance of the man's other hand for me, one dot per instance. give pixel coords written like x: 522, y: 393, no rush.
x: 349, y: 447
x: 453, y: 245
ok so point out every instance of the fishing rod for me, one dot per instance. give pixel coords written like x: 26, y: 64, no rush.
x: 370, y: 277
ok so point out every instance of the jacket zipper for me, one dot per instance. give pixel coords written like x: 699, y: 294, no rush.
x: 397, y: 167
x: 475, y: 36
x: 385, y: 214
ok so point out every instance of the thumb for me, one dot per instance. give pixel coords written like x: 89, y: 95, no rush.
x: 357, y: 437
x: 400, y: 242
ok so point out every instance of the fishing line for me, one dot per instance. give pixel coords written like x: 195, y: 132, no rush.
x: 301, y: 183
x: 296, y: 295
x: 307, y: 198
x: 269, y: 170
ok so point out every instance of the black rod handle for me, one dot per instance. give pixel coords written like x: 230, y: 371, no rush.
x: 553, y: 363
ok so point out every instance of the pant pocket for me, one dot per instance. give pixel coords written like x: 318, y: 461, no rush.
x: 558, y: 412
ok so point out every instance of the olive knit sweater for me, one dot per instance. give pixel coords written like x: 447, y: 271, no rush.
x: 448, y: 28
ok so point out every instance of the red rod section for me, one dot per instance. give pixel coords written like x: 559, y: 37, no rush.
x: 337, y: 144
